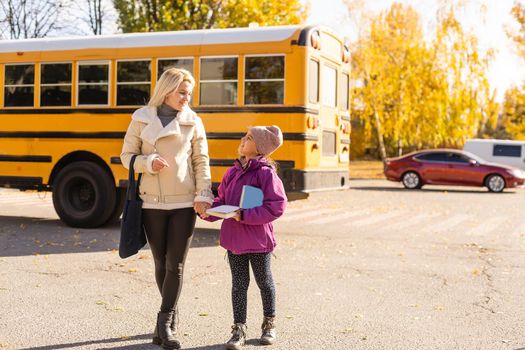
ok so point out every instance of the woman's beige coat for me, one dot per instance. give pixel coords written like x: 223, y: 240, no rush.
x: 182, y: 143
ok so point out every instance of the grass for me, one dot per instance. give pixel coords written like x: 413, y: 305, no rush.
x: 365, y: 169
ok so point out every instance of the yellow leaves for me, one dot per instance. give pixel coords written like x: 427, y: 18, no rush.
x: 133, y: 270
x: 347, y: 330
x: 475, y: 272
x: 107, y: 305
x: 417, y: 92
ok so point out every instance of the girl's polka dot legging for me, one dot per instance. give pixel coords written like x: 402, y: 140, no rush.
x: 239, y: 265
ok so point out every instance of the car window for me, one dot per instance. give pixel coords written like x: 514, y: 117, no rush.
x: 456, y: 158
x: 433, y: 157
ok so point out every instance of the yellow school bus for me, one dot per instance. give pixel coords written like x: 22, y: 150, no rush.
x: 66, y: 104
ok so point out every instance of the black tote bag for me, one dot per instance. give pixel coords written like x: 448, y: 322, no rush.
x: 132, y: 235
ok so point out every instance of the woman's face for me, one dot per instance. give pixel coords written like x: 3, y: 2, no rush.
x: 180, y: 97
x: 247, y: 147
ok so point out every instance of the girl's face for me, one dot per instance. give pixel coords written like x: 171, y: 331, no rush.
x: 180, y: 97
x: 247, y: 147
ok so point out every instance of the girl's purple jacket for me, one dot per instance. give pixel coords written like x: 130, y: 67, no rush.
x: 254, y: 233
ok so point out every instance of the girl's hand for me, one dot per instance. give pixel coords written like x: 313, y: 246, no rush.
x: 201, y: 207
x: 159, y: 163
x: 237, y: 216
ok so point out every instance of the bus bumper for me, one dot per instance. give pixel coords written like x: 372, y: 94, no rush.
x: 314, y: 180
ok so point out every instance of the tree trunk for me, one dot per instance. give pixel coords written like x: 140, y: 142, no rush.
x: 382, y: 151
x: 399, y: 148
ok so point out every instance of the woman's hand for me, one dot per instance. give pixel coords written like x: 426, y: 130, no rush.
x: 237, y: 216
x: 201, y: 207
x: 159, y: 163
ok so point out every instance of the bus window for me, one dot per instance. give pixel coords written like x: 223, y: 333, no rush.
x: 133, y: 82
x: 93, y: 83
x: 329, y: 86
x: 55, y: 84
x: 184, y: 63
x: 218, y: 81
x: 313, y: 81
x: 19, y: 85
x: 264, y: 80
x: 344, y: 92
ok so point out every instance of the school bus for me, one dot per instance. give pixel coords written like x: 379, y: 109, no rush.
x: 66, y: 104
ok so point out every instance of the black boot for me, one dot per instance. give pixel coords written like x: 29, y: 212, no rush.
x: 173, y: 327
x: 167, y: 340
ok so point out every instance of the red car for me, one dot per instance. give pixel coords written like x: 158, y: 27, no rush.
x: 451, y: 167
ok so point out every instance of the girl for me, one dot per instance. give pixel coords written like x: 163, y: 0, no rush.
x: 249, y: 236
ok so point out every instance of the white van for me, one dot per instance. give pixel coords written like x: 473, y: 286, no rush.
x: 506, y: 152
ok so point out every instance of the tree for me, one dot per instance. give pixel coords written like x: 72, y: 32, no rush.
x: 513, y: 115
x: 161, y: 15
x: 29, y: 18
x: 417, y: 93
x: 518, y: 12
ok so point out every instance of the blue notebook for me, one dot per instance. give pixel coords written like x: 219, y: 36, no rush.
x: 251, y: 197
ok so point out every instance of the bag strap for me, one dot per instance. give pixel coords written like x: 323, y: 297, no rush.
x: 133, y: 187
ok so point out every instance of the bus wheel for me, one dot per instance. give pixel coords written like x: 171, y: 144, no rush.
x: 119, y: 205
x: 84, y: 195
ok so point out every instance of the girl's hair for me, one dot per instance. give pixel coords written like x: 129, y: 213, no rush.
x: 272, y: 163
x: 169, y: 81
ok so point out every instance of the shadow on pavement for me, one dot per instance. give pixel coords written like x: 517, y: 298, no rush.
x: 102, y: 341
x: 425, y: 189
x: 21, y: 236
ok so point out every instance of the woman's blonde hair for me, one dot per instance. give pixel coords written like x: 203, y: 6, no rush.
x: 169, y: 81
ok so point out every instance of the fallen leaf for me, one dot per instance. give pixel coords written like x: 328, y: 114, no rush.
x: 133, y: 270
x: 203, y: 314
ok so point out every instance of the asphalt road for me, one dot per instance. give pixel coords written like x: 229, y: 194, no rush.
x: 373, y: 267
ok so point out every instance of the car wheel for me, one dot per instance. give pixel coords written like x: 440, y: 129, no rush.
x: 411, y: 180
x: 495, y: 183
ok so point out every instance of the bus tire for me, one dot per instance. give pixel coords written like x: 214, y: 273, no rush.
x: 119, y: 205
x: 84, y: 195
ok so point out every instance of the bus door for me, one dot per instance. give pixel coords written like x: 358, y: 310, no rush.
x: 328, y: 115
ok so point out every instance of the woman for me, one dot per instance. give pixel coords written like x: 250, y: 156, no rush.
x: 170, y: 142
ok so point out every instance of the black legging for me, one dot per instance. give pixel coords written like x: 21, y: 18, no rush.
x: 239, y: 265
x: 169, y: 234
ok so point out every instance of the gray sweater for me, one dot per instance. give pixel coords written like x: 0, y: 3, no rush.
x: 166, y: 114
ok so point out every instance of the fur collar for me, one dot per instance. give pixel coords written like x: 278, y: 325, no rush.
x: 154, y: 129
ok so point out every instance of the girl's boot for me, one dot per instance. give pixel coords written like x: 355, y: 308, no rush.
x: 268, y: 331
x: 167, y: 340
x: 238, y: 337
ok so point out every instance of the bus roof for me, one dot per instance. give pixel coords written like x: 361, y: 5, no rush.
x: 491, y: 141
x: 175, y: 38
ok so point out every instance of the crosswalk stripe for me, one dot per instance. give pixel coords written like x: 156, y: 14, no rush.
x: 22, y: 199
x: 337, y: 217
x: 412, y: 220
x: 374, y: 219
x: 304, y: 214
x: 486, y: 226
x: 449, y: 222
x: 520, y: 230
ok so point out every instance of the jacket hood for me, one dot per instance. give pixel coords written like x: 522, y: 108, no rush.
x: 253, y: 164
x: 148, y: 115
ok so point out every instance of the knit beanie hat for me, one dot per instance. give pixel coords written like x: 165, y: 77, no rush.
x: 267, y: 138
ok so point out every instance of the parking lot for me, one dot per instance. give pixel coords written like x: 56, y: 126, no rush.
x: 372, y: 267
